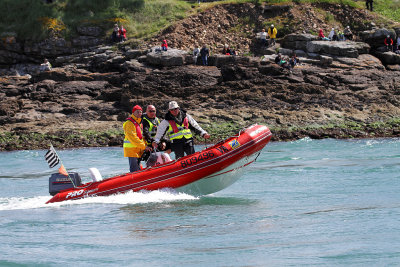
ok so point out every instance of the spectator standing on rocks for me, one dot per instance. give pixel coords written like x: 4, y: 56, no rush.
x: 115, y: 34
x: 134, y: 143
x: 164, y: 45
x: 263, y: 37
x: 204, y: 52
x: 177, y: 125
x: 398, y: 42
x: 389, y: 43
x: 347, y: 33
x: 45, y: 66
x: 369, y: 4
x: 122, y: 34
x: 196, y: 52
x: 272, y: 32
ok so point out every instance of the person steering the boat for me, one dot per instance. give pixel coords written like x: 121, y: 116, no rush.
x: 134, y: 143
x: 177, y: 125
x: 150, y: 124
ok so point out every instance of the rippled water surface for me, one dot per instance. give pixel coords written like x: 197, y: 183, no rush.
x: 308, y: 202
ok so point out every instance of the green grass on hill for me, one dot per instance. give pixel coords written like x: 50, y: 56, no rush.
x: 28, y: 19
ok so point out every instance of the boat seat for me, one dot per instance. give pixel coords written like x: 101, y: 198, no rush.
x: 95, y: 174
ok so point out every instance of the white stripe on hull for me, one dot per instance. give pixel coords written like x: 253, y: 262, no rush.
x: 219, y: 180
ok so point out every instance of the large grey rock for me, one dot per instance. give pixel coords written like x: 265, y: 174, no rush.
x: 172, y: 57
x: 86, y: 41
x: 297, y: 41
x: 376, y: 37
x: 389, y: 58
x: 364, y: 61
x: 337, y: 48
x: 134, y: 53
x: 222, y: 60
x: 89, y: 30
x: 285, y: 51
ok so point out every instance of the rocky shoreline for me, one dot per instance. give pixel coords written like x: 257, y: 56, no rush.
x: 340, y: 90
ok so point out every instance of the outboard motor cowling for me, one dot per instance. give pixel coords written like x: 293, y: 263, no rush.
x: 59, y: 182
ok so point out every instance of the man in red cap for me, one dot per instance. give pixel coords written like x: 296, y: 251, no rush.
x: 134, y: 144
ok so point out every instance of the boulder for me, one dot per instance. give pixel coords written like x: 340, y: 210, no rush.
x: 86, y: 41
x: 388, y: 58
x: 172, y: 57
x: 365, y: 61
x: 89, y: 30
x: 297, y: 41
x: 338, y: 48
x: 376, y: 37
x: 134, y: 53
x: 222, y: 60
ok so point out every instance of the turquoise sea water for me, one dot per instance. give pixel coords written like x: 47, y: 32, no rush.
x: 303, y: 203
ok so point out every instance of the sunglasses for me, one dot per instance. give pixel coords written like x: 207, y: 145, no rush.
x: 151, y: 111
x: 174, y: 109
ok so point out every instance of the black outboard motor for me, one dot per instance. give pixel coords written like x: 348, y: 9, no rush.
x: 59, y: 182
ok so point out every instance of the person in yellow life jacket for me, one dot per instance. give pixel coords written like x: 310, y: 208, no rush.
x: 272, y: 31
x: 177, y: 125
x: 134, y: 144
x: 150, y: 124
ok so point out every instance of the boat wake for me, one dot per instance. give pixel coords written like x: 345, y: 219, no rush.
x: 143, y: 197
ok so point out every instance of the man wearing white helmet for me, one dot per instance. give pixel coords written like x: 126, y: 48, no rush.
x: 272, y: 34
x: 388, y: 43
x: 177, y: 125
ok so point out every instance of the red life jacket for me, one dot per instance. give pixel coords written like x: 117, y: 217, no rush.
x: 175, y: 128
x: 138, y: 128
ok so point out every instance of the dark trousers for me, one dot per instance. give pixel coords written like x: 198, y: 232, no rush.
x: 369, y: 4
x: 205, y: 60
x: 180, y: 147
x: 133, y: 164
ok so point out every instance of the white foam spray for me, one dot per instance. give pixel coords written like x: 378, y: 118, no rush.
x: 17, y: 203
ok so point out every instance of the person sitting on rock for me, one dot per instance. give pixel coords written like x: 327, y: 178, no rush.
x: 115, y: 34
x: 45, y: 66
x: 282, y: 62
x: 340, y: 36
x: 228, y: 51
x: 272, y: 32
x: 122, y: 34
x: 294, y: 60
x: 388, y: 43
x: 164, y: 45
x: 332, y: 35
x: 347, y: 33
x: 321, y: 35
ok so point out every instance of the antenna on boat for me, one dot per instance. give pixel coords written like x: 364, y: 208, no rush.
x: 53, y: 160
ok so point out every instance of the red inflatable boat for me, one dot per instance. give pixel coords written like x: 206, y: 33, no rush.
x: 202, y: 173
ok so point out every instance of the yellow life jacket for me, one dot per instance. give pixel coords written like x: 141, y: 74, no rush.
x: 127, y: 143
x: 152, y: 129
x: 176, y: 131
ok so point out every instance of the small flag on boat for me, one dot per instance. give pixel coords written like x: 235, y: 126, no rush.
x: 62, y: 170
x: 52, y: 157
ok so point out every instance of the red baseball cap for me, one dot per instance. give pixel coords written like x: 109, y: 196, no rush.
x: 137, y: 107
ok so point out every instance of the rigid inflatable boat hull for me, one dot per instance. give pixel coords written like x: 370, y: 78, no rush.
x: 204, y: 172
